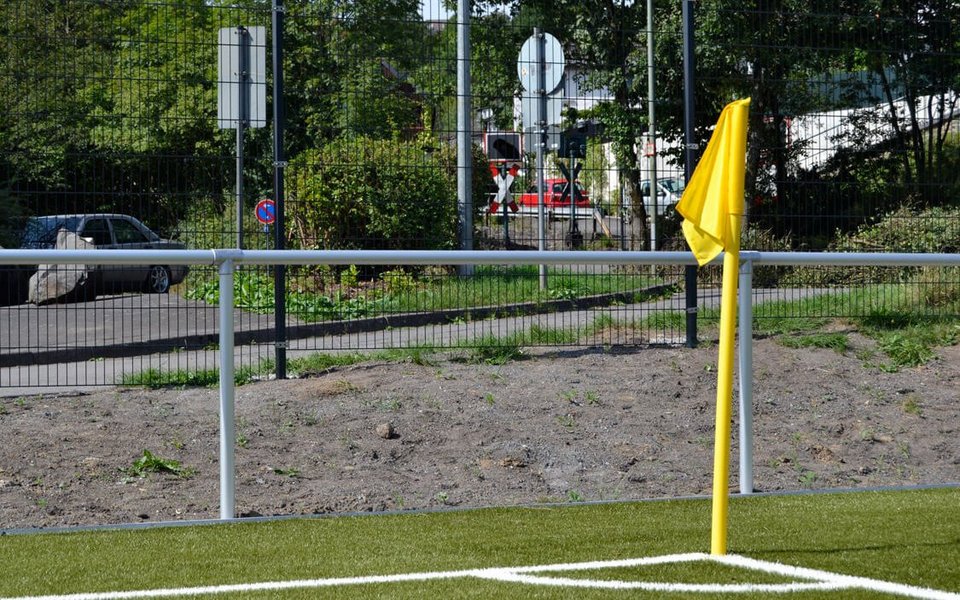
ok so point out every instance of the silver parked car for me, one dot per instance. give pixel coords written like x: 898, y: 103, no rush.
x: 669, y: 191
x: 111, y: 231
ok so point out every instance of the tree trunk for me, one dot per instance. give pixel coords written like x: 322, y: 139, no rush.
x: 638, y: 211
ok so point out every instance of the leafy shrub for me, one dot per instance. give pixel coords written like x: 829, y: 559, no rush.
x: 932, y: 230
x: 906, y: 230
x: 254, y: 292
x: 366, y: 193
x: 398, y: 281
x: 349, y: 277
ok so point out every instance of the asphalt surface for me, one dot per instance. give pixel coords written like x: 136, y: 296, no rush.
x: 75, y: 347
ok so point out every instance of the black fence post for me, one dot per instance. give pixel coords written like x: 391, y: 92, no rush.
x: 691, y: 148
x: 279, y: 271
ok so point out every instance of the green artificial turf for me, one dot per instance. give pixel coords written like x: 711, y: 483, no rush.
x: 910, y: 537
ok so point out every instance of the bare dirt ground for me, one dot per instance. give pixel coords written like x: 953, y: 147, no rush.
x: 561, y: 426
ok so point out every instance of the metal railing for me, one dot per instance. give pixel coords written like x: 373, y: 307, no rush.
x: 227, y: 260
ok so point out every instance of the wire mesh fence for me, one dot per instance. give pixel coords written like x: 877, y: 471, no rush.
x: 489, y: 317
x: 117, y: 109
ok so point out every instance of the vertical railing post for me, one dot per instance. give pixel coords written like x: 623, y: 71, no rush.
x: 745, y: 357
x: 279, y: 163
x: 227, y: 419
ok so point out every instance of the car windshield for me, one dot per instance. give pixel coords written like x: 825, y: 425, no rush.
x: 41, y: 232
x: 673, y: 185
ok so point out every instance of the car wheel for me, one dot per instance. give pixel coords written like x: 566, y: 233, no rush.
x: 158, y: 280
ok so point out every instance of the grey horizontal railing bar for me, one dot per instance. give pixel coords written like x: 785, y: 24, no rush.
x: 458, y: 257
x: 849, y: 259
x: 109, y: 257
x: 335, y: 257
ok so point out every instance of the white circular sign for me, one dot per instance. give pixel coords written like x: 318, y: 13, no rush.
x: 553, y: 64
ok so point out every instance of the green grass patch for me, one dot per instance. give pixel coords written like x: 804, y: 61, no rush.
x: 904, y: 327
x: 839, y: 342
x: 495, y: 350
x: 547, y: 336
x: 909, y: 537
x: 321, y: 361
x: 674, y: 320
x: 156, y: 378
x: 493, y: 285
x: 796, y: 316
x: 301, y: 366
x: 905, y: 330
x: 398, y: 291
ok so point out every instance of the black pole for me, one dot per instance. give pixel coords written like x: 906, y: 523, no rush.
x: 691, y: 151
x: 279, y: 271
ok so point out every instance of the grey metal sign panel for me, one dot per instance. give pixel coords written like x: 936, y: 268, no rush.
x: 242, y: 84
x: 553, y: 63
x: 528, y: 109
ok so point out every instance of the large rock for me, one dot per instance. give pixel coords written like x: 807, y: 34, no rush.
x: 60, y: 283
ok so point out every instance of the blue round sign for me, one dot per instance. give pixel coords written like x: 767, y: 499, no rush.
x: 266, y: 211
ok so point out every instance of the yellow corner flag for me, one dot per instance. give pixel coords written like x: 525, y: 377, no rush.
x: 712, y: 209
x: 712, y: 203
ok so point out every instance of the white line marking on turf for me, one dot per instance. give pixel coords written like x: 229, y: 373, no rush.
x: 816, y: 580
x: 652, y: 586
x: 848, y: 581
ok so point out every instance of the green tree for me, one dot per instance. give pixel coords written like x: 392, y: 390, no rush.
x: 48, y: 50
x: 334, y: 50
x: 155, y: 103
x: 912, y: 48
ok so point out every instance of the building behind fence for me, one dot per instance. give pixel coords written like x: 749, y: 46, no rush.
x: 113, y: 108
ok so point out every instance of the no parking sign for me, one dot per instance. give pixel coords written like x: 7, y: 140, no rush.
x: 266, y: 211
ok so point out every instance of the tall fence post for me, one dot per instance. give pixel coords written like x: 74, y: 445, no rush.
x: 243, y: 112
x: 279, y: 163
x: 541, y: 137
x: 745, y: 360
x: 464, y: 131
x: 690, y: 153
x: 227, y: 395
x: 652, y: 126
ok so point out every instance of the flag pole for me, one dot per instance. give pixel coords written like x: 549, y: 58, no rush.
x: 712, y: 210
x: 721, y: 452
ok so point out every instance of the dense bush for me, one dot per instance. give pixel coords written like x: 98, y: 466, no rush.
x: 906, y: 230
x: 932, y: 230
x: 365, y: 193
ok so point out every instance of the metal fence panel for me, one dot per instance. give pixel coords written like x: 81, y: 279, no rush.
x: 112, y: 108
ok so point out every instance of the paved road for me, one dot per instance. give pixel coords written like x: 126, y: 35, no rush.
x: 76, y: 347
x: 112, y: 325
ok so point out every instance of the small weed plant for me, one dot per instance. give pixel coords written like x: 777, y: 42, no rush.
x: 151, y: 463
